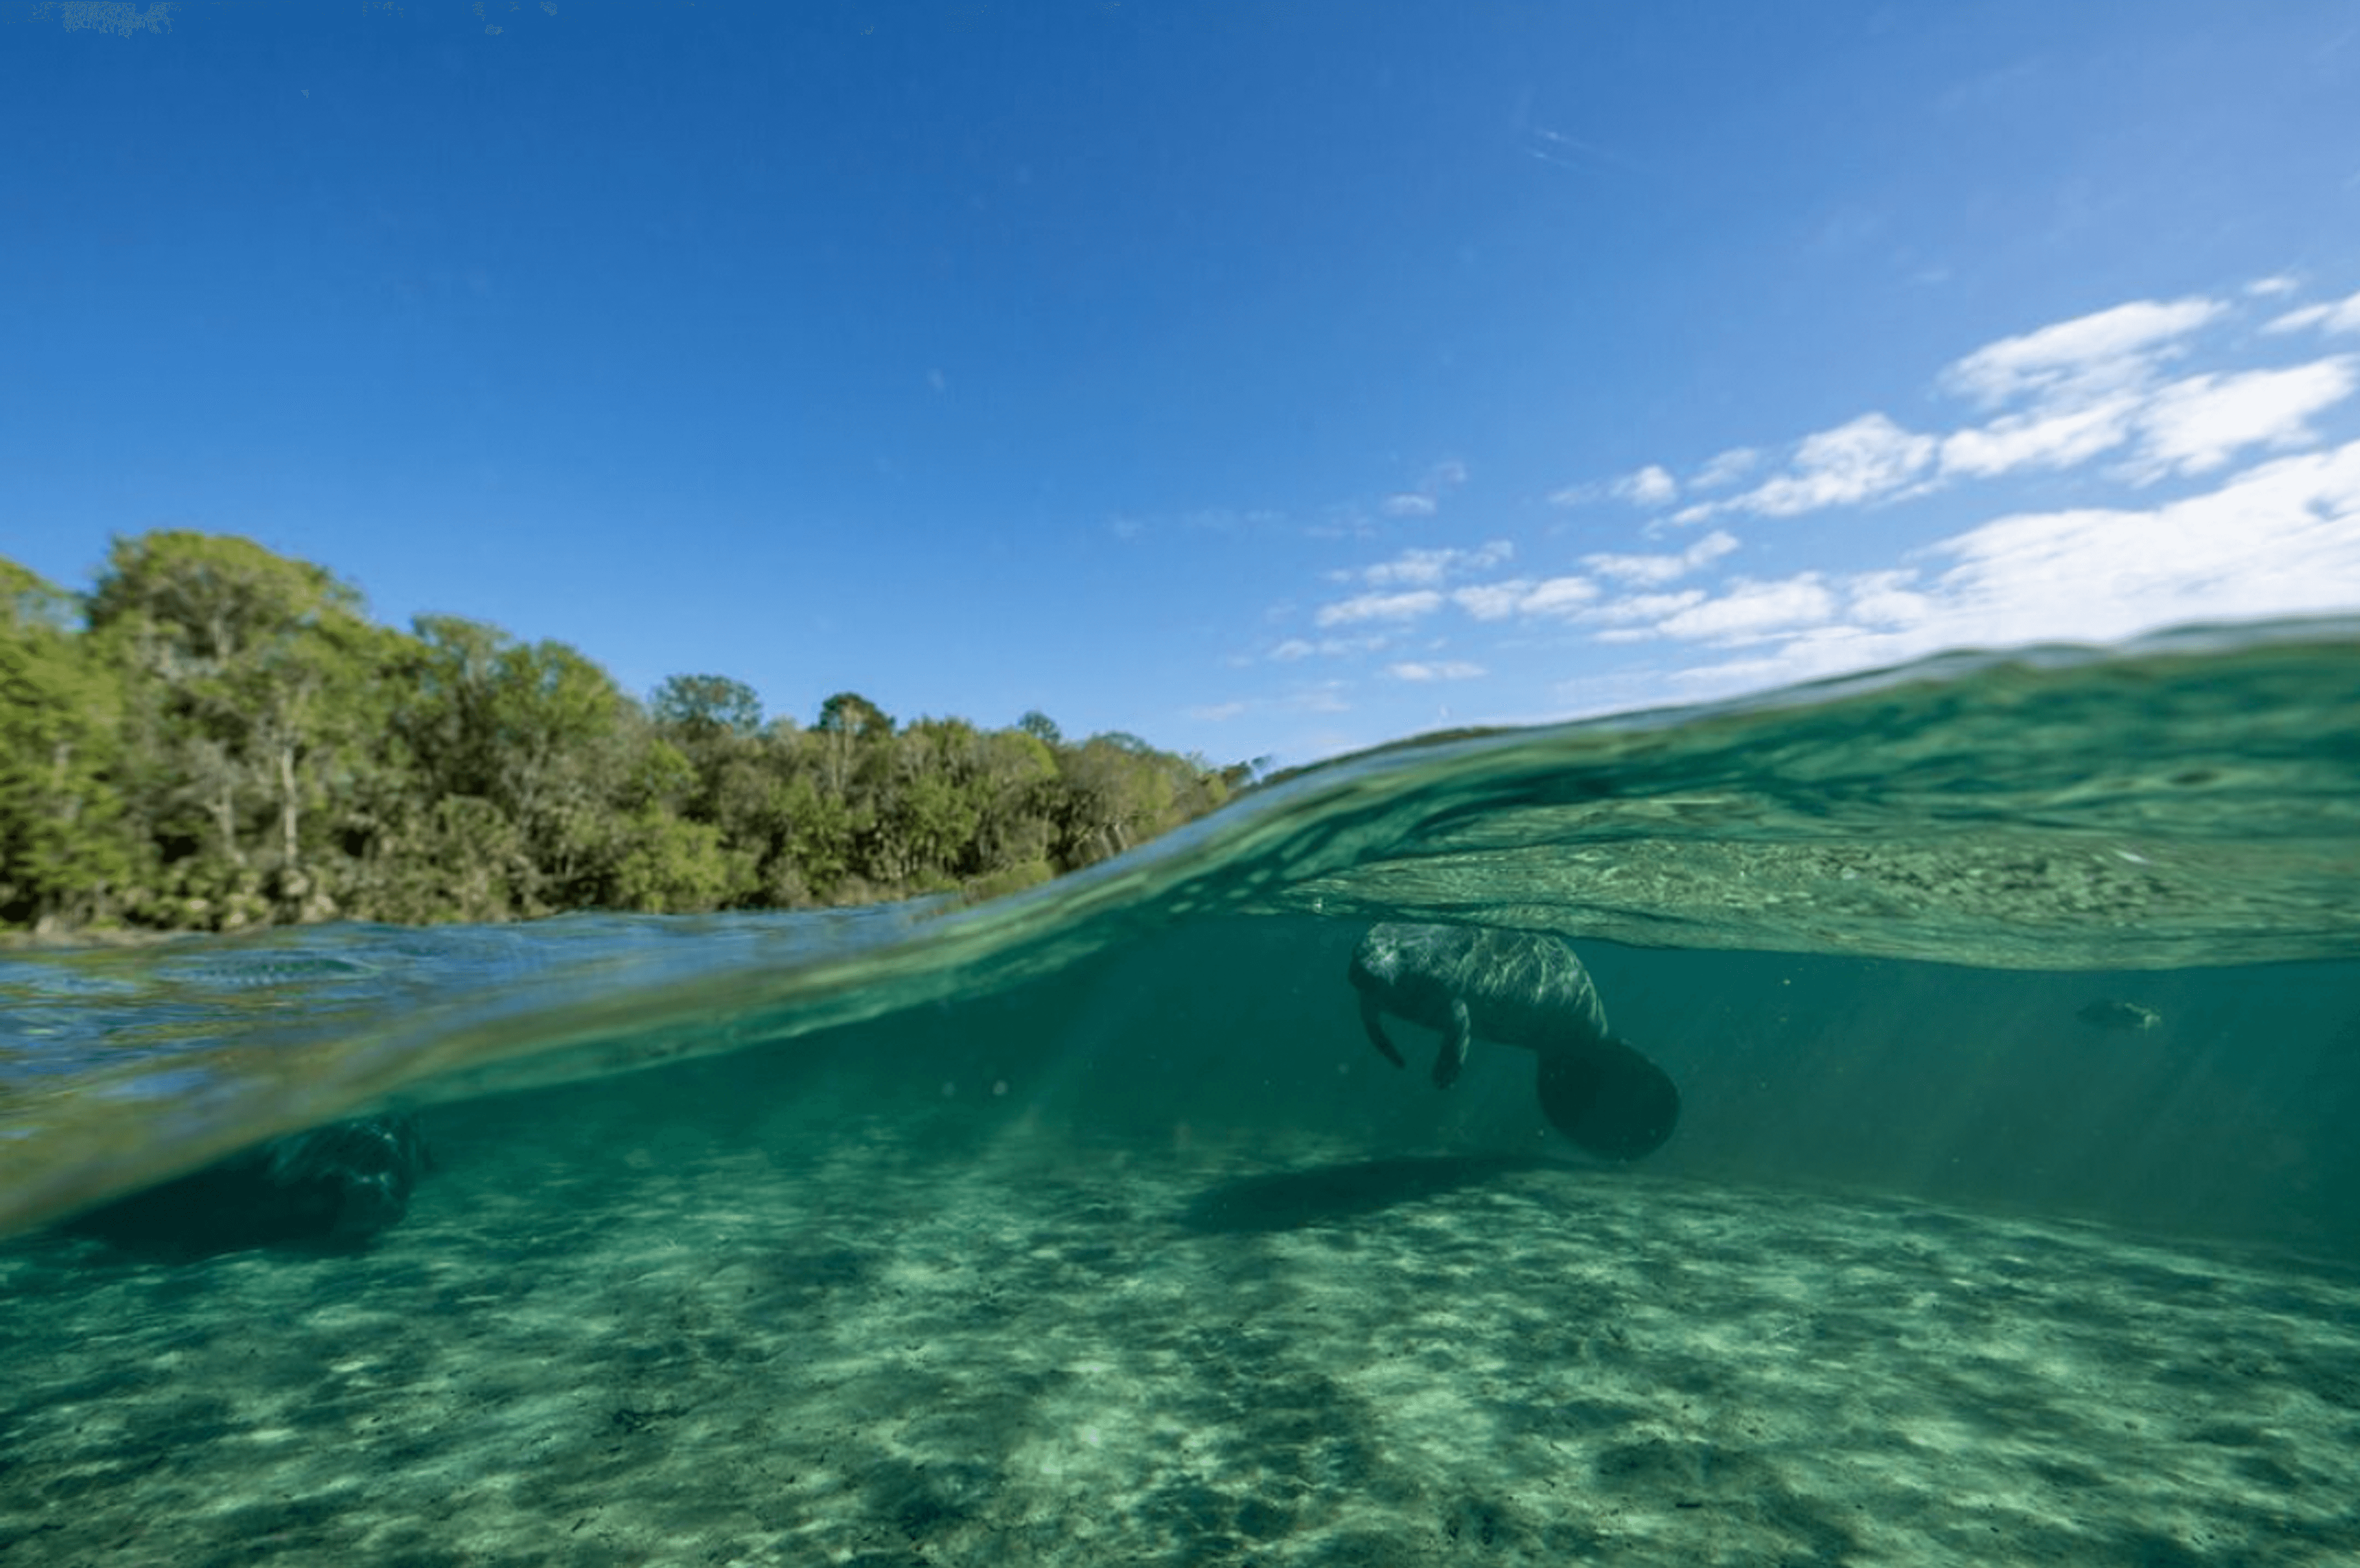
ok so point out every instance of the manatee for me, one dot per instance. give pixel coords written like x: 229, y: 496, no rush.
x: 338, y: 1185
x: 1525, y: 989
x: 2111, y: 1015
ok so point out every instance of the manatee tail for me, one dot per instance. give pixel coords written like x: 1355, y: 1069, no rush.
x: 1608, y: 1099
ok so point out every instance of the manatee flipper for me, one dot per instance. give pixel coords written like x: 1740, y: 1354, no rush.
x: 1372, y: 1019
x: 1454, y: 1036
x: 1608, y: 1099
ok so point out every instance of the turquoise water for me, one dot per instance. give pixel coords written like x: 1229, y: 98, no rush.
x: 2012, y: 1211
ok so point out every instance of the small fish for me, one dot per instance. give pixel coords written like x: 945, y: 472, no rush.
x: 2113, y: 1015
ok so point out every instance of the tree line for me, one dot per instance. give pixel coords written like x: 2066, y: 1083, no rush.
x: 217, y: 736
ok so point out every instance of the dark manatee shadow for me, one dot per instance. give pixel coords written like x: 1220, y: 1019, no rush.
x: 331, y: 1189
x: 1290, y: 1200
x: 1608, y: 1099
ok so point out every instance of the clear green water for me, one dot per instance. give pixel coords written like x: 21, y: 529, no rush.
x: 1086, y: 1226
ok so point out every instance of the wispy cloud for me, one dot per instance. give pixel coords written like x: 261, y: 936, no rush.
x: 1650, y: 487
x: 1522, y: 596
x: 1636, y: 617
x: 1425, y: 568
x: 1726, y: 468
x: 2050, y: 438
x: 2057, y: 398
x: 1752, y: 610
x: 2282, y: 539
x: 1866, y: 459
x: 2106, y: 350
x: 2182, y: 391
x: 1654, y: 568
x: 2342, y: 316
x: 1296, y: 649
x: 2194, y: 426
x: 1379, y: 607
x: 1426, y: 499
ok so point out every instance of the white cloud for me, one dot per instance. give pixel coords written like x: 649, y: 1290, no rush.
x: 2039, y: 440
x: 1426, y: 499
x: 1449, y: 670
x: 2271, y: 288
x: 2110, y: 395
x: 1522, y: 596
x: 2281, y: 539
x: 1652, y: 569
x: 1650, y: 487
x: 1887, y: 598
x: 1294, y: 650
x: 1424, y: 568
x: 1654, y: 485
x: 1493, y: 601
x: 2097, y: 352
x: 2344, y: 316
x: 2059, y: 397
x: 1379, y: 607
x: 1214, y: 712
x: 1638, y: 615
x: 1727, y: 468
x: 1869, y: 458
x: 1753, y: 610
x: 1557, y: 595
x: 2192, y: 426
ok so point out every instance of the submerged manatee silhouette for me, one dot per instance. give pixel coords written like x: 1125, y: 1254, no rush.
x: 339, y: 1186
x: 1519, y: 988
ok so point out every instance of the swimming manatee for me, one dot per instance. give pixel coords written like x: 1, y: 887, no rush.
x: 1525, y: 990
x: 336, y: 1186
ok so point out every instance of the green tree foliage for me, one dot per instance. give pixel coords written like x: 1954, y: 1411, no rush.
x: 536, y: 733
x: 63, y: 853
x: 254, y: 694
x: 702, y: 706
x: 217, y: 736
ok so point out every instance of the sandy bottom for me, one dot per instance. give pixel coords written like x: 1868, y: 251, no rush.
x: 864, y: 1339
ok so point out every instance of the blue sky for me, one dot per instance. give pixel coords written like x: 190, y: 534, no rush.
x: 1265, y: 379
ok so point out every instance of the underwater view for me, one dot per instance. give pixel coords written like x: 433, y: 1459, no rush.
x: 1903, y: 1120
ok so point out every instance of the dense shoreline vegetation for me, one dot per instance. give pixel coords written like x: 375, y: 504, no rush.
x: 218, y: 737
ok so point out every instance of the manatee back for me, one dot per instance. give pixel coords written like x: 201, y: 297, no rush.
x: 1521, y: 988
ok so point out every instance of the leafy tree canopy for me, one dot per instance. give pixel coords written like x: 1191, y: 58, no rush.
x: 217, y: 736
x: 701, y: 705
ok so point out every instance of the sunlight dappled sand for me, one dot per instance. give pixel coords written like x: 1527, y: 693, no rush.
x: 861, y: 1341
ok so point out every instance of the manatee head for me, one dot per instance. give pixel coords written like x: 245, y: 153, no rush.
x: 1608, y: 1099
